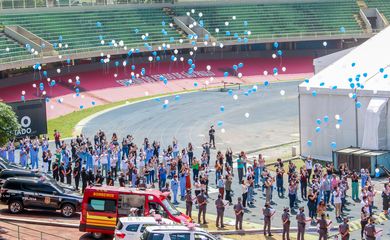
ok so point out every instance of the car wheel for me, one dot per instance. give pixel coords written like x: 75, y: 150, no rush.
x: 15, y: 206
x: 97, y: 235
x: 67, y: 210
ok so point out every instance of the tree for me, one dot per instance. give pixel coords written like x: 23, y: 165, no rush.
x: 8, y: 123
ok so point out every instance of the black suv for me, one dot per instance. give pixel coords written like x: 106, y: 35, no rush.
x: 37, y: 193
x: 8, y: 173
x: 4, y: 164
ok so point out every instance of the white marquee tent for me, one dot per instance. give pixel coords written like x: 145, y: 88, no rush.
x: 346, y: 104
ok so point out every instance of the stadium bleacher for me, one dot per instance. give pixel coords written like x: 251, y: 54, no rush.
x: 11, y: 51
x: 382, y: 5
x: 80, y: 32
x: 278, y: 19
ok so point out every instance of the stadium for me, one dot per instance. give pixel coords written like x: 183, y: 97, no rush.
x: 129, y: 91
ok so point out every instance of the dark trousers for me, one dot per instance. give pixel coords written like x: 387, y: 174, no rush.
x: 286, y: 231
x: 212, y: 140
x: 188, y: 209
x: 77, y: 182
x: 267, y: 225
x: 219, y: 221
x: 303, y: 190
x: 228, y: 197
x: 84, y: 185
x: 244, y: 197
x: 363, y: 223
x: 202, y: 211
x: 240, y: 174
x: 292, y: 200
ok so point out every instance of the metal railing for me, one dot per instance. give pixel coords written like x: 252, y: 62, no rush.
x: 14, y: 231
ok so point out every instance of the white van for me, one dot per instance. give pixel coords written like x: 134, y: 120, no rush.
x: 130, y: 228
x: 176, y: 232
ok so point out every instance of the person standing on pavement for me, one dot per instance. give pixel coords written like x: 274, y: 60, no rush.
x: 323, y: 227
x: 240, y: 168
x: 301, y: 219
x: 202, y: 203
x: 55, y: 171
x: 219, y: 204
x: 175, y: 188
x: 62, y: 172
x: 309, y: 167
x: 364, y: 216
x: 57, y: 138
x: 212, y: 136
x: 267, y: 212
x: 239, y: 212
x: 221, y: 185
x: 122, y: 181
x: 189, y: 201
x: 355, y: 186
x: 76, y: 175
x: 370, y: 230
x: 244, y: 187
x: 68, y: 173
x: 228, y: 188
x: 84, y: 179
x: 344, y: 229
x: 286, y: 223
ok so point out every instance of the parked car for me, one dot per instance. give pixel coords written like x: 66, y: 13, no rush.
x: 12, y: 172
x: 4, y: 164
x: 37, y: 193
x: 176, y: 232
x: 129, y: 228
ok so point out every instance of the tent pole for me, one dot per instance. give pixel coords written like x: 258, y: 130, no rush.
x: 356, y: 120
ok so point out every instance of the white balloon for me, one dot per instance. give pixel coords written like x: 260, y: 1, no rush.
x: 51, y: 107
x: 132, y: 73
x: 195, y: 23
x: 23, y: 92
x: 32, y: 50
x: 192, y: 10
x: 214, y: 44
x: 176, y: 51
x: 207, y: 82
x: 247, y: 115
x: 223, y: 130
x: 325, y: 44
x: 34, y: 85
x: 191, y: 53
x: 283, y: 69
x: 274, y: 56
x: 211, y: 79
x: 337, y: 126
x: 82, y: 96
x: 36, y: 53
x: 235, y: 97
x: 150, y: 58
x: 188, y: 13
x: 191, y: 26
x: 308, y: 88
x: 166, y: 101
x: 7, y: 49
x: 254, y: 87
x: 337, y: 117
x: 234, y: 17
x: 239, y: 75
x: 147, y: 34
x: 181, y: 59
x: 101, y: 54
x: 58, y: 70
x: 115, y: 45
x: 61, y: 99
x: 221, y: 45
x: 217, y: 30
x: 66, y: 45
x: 375, y: 91
x: 181, y: 40
x: 108, y: 55
x: 70, y: 80
x: 44, y: 93
x: 350, y: 95
x: 226, y: 23
x: 249, y: 32
x: 77, y: 78
x: 59, y: 56
x: 377, y: 170
x: 115, y: 75
x: 137, y: 75
x: 60, y: 45
x: 265, y: 73
x: 124, y: 63
x: 205, y: 43
x: 208, y: 67
x: 195, y: 48
x: 171, y: 24
x: 146, y: 93
x: 282, y: 92
x: 39, y: 68
x: 200, y: 14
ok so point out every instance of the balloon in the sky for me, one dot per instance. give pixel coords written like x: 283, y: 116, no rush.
x: 282, y: 92
x: 223, y: 130
x: 222, y: 108
x: 208, y: 67
x: 333, y: 145
x: 247, y: 115
x: 309, y: 143
x: 318, y: 129
x: 235, y: 97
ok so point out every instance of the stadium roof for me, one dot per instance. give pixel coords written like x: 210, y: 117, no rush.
x: 367, y: 65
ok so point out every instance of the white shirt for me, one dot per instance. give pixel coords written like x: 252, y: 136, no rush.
x: 309, y: 164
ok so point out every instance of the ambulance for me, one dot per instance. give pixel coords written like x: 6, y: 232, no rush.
x: 102, y: 206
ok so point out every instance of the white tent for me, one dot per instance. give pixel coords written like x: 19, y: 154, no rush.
x: 346, y: 104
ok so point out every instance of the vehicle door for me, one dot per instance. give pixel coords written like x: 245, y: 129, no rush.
x: 101, y: 213
x: 48, y: 196
x: 132, y: 231
x: 30, y: 196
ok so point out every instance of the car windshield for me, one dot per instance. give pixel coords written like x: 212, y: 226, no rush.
x: 171, y: 209
x: 57, y: 186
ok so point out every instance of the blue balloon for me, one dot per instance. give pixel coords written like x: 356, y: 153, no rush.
x: 98, y: 24
x: 365, y: 74
x: 275, y: 70
x: 52, y: 83
x: 309, y: 143
x: 41, y: 88
x: 177, y: 97
x: 195, y: 84
x: 245, y: 23
x: 43, y: 45
x: 235, y: 67
x: 385, y: 76
x: 163, y: 23
x: 235, y: 35
x: 22, y: 98
x: 190, y: 71
x: 225, y: 74
x: 318, y: 129
x: 161, y: 77
x: 158, y: 58
x: 353, y: 64
x: 173, y: 58
x: 306, y: 80
x: 358, y: 105
x: 352, y: 85
x: 100, y: 37
x: 136, y: 30
x: 154, y: 53
x: 318, y: 121
x: 333, y: 145
x: 193, y: 66
x: 77, y: 82
x: 190, y: 36
x: 171, y: 39
x: 136, y: 50
x: 47, y: 99
x: 219, y: 123
x: 322, y: 84
x: 116, y: 63
x: 340, y: 121
x: 60, y: 38
x: 165, y: 106
x: 354, y: 96
x: 280, y: 53
x: 245, y: 40
x: 189, y: 61
x: 230, y: 92
x: 227, y: 33
x: 314, y: 93
x: 129, y: 53
x: 81, y: 106
x: 45, y: 73
x: 239, y: 40
x: 206, y: 37
x: 381, y: 70
x: 342, y: 29
x: 377, y: 174
x: 334, y: 87
x: 193, y: 43
x: 165, y: 81
x: 133, y: 67
x: 157, y: 99
x: 276, y: 44
x: 77, y: 90
x: 222, y: 108
x: 93, y: 103
x: 41, y: 84
x: 326, y: 119
x: 266, y: 83
x: 201, y: 23
x: 101, y: 60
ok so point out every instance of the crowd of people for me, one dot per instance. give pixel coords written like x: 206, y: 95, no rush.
x: 177, y: 169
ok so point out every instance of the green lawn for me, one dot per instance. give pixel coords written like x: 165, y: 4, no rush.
x: 66, y: 123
